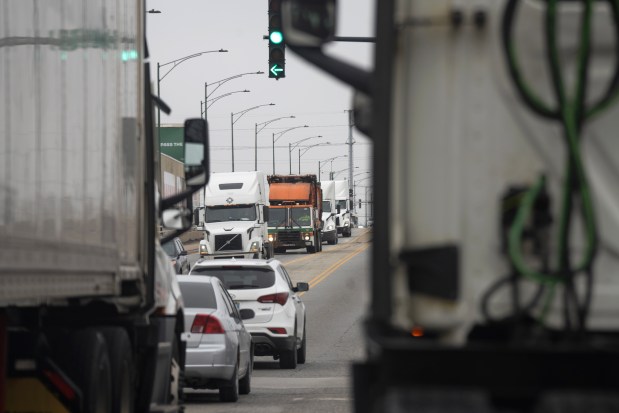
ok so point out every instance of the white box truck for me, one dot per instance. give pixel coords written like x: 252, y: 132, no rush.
x: 236, y: 216
x: 91, y: 316
x: 495, y: 264
x: 329, y: 227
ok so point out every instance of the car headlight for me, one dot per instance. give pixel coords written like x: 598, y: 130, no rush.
x: 271, y: 237
x: 255, y: 246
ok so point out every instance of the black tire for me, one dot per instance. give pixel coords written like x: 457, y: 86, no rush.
x: 121, y: 359
x: 229, y: 392
x: 302, y: 351
x: 245, y: 382
x: 91, y: 369
x: 348, y: 233
x: 333, y: 241
x: 177, y: 374
x: 288, y: 359
x: 311, y: 250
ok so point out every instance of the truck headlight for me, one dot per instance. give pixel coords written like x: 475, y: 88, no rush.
x: 271, y: 237
x: 255, y: 247
x: 307, y: 237
x: 329, y: 227
x: 203, y: 250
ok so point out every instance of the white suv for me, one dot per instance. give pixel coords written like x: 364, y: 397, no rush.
x: 264, y: 286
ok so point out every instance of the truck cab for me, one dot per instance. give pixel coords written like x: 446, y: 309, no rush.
x: 329, y: 212
x: 235, y: 216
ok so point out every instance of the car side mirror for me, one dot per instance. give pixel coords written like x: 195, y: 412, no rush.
x: 196, y: 152
x: 301, y: 287
x: 247, y: 314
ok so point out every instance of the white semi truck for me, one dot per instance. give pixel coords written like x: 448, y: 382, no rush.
x: 495, y: 263
x: 91, y: 316
x: 236, y: 216
x: 343, y: 207
x: 329, y: 227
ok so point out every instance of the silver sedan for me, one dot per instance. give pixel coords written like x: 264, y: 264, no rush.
x: 219, y: 348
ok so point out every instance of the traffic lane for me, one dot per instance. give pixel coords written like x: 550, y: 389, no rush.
x: 291, y: 255
x: 335, y: 311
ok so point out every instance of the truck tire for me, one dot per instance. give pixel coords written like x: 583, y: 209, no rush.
x: 121, y: 359
x: 311, y: 250
x: 347, y: 232
x: 91, y: 369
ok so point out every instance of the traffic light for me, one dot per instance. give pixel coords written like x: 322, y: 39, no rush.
x: 277, y: 46
x: 359, y: 202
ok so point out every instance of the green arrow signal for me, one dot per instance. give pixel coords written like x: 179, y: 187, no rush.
x: 276, y: 69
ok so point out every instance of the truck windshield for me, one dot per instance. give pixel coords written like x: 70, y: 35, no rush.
x: 342, y: 204
x: 231, y: 213
x: 277, y: 217
x: 300, y: 217
x: 326, y: 206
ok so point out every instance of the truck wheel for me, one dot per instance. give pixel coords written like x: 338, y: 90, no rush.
x: 311, y: 250
x: 91, y: 369
x: 120, y: 353
x: 347, y: 232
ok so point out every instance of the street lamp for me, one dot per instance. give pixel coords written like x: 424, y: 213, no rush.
x: 233, y: 121
x: 307, y: 148
x: 336, y: 173
x: 293, y: 145
x: 280, y: 135
x: 221, y: 82
x: 215, y: 99
x: 361, y: 173
x: 331, y: 160
x: 174, y: 63
x: 262, y: 126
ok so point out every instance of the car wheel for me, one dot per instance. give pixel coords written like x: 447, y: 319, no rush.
x: 245, y: 382
x: 301, y: 352
x: 229, y: 392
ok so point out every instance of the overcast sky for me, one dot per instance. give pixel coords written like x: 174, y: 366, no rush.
x: 185, y: 27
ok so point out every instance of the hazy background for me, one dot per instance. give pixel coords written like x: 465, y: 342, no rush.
x: 185, y: 27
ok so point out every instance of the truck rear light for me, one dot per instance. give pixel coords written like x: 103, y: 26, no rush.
x: 277, y: 330
x: 206, y: 324
x: 279, y: 298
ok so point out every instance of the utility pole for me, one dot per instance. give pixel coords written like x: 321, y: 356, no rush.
x: 350, y: 159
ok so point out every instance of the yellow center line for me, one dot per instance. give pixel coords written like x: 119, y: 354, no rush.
x: 326, y: 273
x: 339, y: 247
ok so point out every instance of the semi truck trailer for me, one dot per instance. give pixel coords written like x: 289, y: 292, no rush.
x: 91, y: 316
x: 495, y: 273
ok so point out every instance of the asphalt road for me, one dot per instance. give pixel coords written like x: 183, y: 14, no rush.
x: 335, y: 304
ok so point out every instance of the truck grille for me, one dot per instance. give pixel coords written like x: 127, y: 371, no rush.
x: 288, y: 236
x: 236, y: 242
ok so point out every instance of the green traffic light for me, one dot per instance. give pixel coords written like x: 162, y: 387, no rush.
x: 276, y: 37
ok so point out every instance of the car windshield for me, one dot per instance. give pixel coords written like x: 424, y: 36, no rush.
x: 231, y: 213
x: 277, y: 217
x: 238, y: 277
x: 198, y: 294
x: 169, y: 249
x: 326, y: 206
x: 300, y: 217
x: 342, y: 204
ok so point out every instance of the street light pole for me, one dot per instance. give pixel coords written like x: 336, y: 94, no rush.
x: 279, y: 137
x: 262, y: 126
x: 307, y: 148
x: 233, y: 121
x: 293, y: 145
x: 221, y: 82
x: 174, y: 63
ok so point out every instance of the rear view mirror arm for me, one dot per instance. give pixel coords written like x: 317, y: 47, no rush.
x: 354, y: 76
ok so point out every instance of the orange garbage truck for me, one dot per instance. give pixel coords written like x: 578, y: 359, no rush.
x: 295, y: 212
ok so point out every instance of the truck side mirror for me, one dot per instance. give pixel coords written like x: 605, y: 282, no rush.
x: 176, y: 218
x: 339, y: 209
x: 308, y: 23
x: 196, y: 152
x: 265, y: 213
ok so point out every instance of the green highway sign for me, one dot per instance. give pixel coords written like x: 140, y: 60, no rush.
x: 277, y: 71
